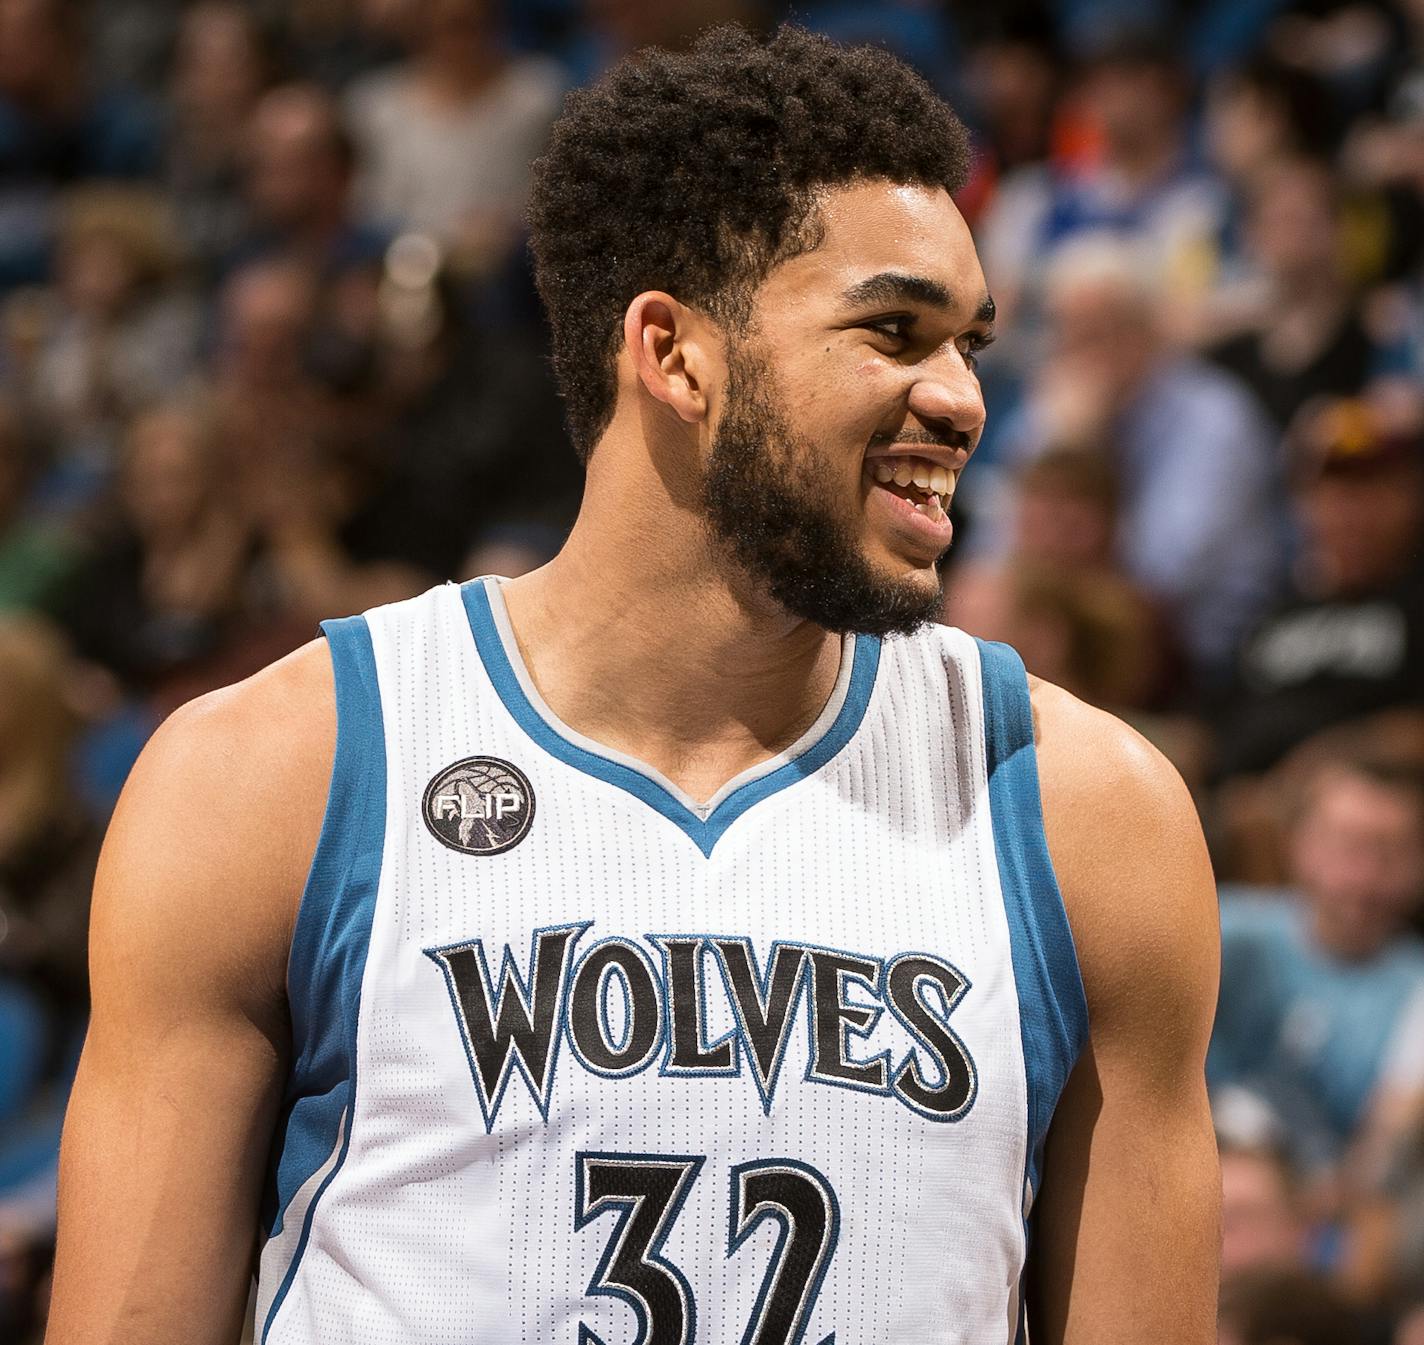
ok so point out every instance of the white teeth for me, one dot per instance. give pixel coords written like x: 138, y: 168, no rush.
x: 934, y: 480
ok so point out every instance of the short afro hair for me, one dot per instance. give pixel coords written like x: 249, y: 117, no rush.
x: 697, y: 172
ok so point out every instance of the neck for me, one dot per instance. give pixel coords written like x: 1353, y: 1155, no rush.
x: 636, y: 637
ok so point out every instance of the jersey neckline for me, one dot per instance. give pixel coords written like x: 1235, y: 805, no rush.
x: 705, y: 823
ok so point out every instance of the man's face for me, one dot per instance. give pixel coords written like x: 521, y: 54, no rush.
x: 850, y: 409
x: 1260, y: 1227
x: 294, y: 174
x: 1358, y: 855
x: 1364, y: 526
x: 1102, y: 339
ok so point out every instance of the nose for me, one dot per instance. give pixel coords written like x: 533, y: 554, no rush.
x: 946, y: 396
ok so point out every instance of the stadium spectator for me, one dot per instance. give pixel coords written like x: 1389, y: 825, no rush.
x: 1131, y: 176
x: 447, y: 137
x: 165, y: 582
x: 1058, y: 595
x: 268, y: 403
x: 35, y: 556
x: 472, y: 452
x: 57, y: 127
x: 1307, y: 336
x: 1349, y: 640
x: 122, y: 331
x: 299, y: 186
x: 48, y: 848
x: 48, y: 841
x: 220, y: 66
x: 1263, y: 1223
x: 1276, y: 1307
x: 1316, y: 980
x: 333, y: 42
x: 1255, y: 116
x: 1201, y: 524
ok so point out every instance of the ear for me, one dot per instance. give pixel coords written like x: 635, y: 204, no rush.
x: 671, y: 347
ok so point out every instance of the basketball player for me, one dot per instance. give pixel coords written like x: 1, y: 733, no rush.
x: 670, y: 945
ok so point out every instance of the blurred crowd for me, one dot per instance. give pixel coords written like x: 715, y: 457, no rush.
x: 270, y: 352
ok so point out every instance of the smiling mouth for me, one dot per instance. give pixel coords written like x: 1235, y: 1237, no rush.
x: 926, y: 486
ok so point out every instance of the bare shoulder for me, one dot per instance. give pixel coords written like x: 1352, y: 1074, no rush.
x: 217, y: 825
x: 1128, y: 851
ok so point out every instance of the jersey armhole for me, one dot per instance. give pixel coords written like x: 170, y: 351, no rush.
x: 325, y: 968
x: 1053, y: 1009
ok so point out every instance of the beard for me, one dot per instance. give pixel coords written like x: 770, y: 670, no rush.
x: 763, y: 499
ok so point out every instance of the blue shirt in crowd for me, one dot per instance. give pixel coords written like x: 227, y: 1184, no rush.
x: 1306, y: 1030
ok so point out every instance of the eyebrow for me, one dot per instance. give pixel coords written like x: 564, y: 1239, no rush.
x: 889, y: 287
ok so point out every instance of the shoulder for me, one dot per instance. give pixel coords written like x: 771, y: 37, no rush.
x: 1093, y: 766
x: 208, y: 851
x: 1127, y: 848
x: 264, y: 732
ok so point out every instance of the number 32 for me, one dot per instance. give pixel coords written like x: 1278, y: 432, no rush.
x: 647, y: 1192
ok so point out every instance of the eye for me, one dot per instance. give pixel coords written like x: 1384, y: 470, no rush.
x: 896, y: 328
x: 971, y: 344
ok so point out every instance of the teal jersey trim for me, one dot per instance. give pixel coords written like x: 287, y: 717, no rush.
x: 704, y: 832
x: 1053, y: 1010
x: 328, y: 955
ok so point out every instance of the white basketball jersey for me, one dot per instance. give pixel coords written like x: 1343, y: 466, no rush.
x: 580, y: 1061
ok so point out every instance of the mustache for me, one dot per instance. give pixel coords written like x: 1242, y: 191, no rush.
x: 926, y: 438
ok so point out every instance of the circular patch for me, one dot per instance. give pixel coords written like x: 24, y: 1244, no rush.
x: 479, y: 806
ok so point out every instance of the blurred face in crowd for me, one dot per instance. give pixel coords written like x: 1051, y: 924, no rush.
x: 267, y: 312
x: 97, y: 273
x: 297, y: 173
x: 1014, y: 86
x: 1245, y: 126
x: 36, y: 50
x: 1364, y: 524
x: 166, y: 480
x: 1293, y: 226
x: 1060, y: 523
x: 1103, y: 334
x: 217, y: 67
x: 1137, y: 105
x: 1357, y: 854
x: 1261, y: 1226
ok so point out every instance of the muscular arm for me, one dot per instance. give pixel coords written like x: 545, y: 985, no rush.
x: 1127, y: 1240
x: 166, y: 1140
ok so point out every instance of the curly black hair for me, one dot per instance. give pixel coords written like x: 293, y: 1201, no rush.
x: 696, y: 172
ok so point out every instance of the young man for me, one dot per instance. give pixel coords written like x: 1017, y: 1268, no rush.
x: 681, y: 959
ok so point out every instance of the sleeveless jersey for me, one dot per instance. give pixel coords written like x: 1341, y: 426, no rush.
x: 580, y: 1061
